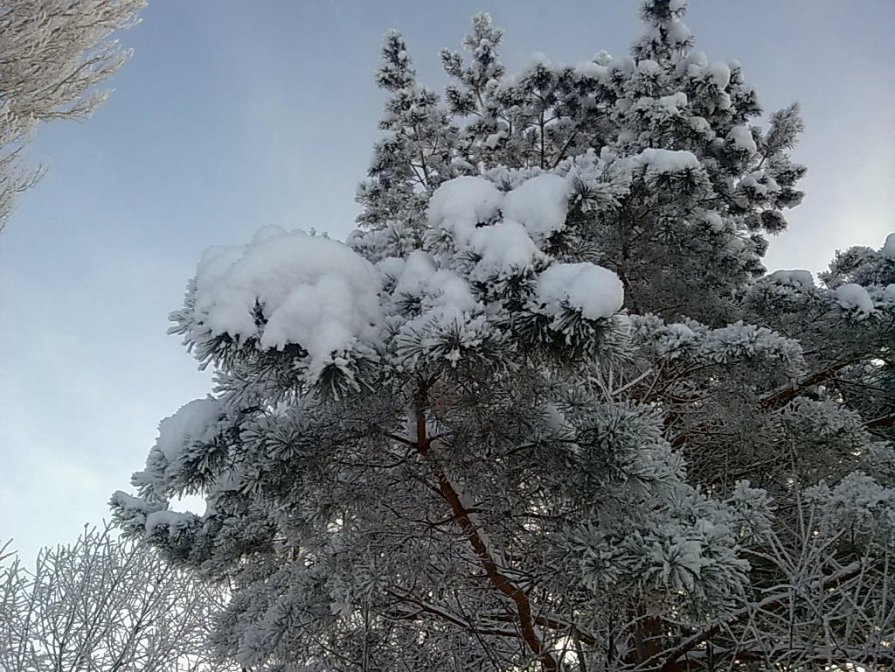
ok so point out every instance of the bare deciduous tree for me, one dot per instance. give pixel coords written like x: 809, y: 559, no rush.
x: 103, y: 604
x: 53, y: 54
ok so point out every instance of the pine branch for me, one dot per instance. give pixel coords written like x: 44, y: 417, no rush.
x: 783, y: 396
x: 463, y: 517
x: 882, y: 421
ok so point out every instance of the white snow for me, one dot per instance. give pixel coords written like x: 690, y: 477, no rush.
x: 714, y: 220
x: 851, y: 296
x: 888, y: 250
x: 130, y: 503
x: 459, y: 204
x: 741, y: 136
x: 696, y: 62
x: 592, y: 70
x: 720, y: 73
x: 167, y: 519
x: 390, y: 267
x: 414, y: 273
x: 540, y: 204
x: 648, y: 67
x: 677, y: 32
x: 674, y: 339
x: 701, y: 125
x: 660, y: 161
x: 672, y: 104
x: 593, y: 290
x: 311, y: 291
x: 441, y: 289
x: 195, y: 422
x: 796, y: 278
x: 505, y: 248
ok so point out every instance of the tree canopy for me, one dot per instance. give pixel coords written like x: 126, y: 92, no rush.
x: 544, y: 410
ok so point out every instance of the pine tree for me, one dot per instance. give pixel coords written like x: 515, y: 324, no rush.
x: 546, y: 411
x: 408, y: 164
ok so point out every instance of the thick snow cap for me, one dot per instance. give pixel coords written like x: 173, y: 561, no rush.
x: 505, y: 232
x: 290, y: 287
x: 796, y: 278
x: 888, y: 250
x: 594, y: 291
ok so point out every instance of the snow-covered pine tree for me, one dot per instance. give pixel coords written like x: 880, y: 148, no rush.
x: 544, y: 413
x: 412, y: 159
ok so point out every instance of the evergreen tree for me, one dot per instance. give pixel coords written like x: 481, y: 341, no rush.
x: 409, y: 163
x: 545, y: 412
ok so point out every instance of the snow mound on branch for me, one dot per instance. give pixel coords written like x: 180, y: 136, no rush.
x: 460, y: 204
x: 168, y: 521
x: 441, y: 292
x: 888, y: 250
x: 720, y: 73
x: 290, y: 288
x: 504, y: 248
x: 591, y: 70
x: 742, y: 138
x: 660, y: 161
x: 594, y: 291
x: 540, y: 204
x: 502, y: 233
x: 195, y: 422
x: 795, y: 278
x: 851, y: 296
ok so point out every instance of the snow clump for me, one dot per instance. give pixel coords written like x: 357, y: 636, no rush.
x: 660, y: 161
x: 851, y: 296
x: 290, y: 287
x: 504, y: 233
x: 794, y: 278
x: 459, y: 205
x: 540, y: 204
x: 195, y: 422
x: 888, y: 250
x: 742, y: 138
x: 594, y: 291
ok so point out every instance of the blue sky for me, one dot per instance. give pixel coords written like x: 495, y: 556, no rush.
x: 234, y: 115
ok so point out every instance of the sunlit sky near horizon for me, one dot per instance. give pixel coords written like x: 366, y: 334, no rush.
x: 235, y: 115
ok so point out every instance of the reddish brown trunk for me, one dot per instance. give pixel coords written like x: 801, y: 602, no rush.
x: 479, y: 547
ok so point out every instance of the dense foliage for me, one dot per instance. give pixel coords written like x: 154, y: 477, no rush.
x: 544, y: 410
